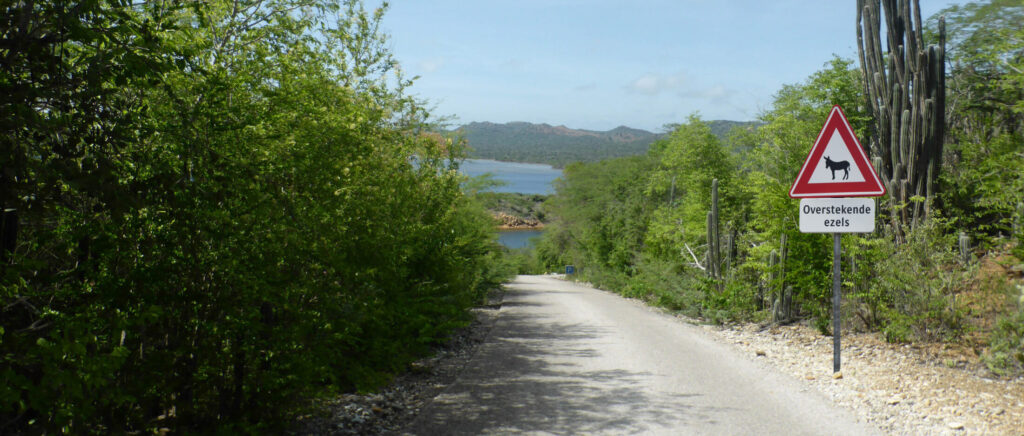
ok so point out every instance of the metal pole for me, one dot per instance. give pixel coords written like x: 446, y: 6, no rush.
x: 835, y: 302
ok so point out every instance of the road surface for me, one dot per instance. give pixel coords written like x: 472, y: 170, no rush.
x: 563, y: 358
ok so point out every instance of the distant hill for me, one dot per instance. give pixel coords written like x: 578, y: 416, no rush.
x: 560, y: 145
x: 721, y: 128
x: 555, y: 145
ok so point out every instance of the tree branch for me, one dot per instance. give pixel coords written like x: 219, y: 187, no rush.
x: 695, y: 261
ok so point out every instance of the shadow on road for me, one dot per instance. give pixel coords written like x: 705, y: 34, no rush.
x: 536, y: 373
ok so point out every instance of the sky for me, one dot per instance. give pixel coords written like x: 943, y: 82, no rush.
x: 600, y: 64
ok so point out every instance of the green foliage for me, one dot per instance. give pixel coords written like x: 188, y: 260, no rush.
x: 1005, y: 355
x: 781, y: 145
x: 525, y: 261
x: 986, y: 121
x: 689, y: 159
x: 909, y: 290
x: 985, y: 40
x: 980, y: 191
x: 600, y: 221
x: 664, y: 284
x: 219, y: 216
x: 659, y: 260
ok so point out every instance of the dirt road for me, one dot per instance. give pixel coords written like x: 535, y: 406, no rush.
x: 568, y: 359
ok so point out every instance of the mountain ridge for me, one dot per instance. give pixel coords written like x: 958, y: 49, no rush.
x: 521, y: 141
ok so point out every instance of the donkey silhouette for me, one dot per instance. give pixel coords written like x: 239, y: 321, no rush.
x: 838, y: 165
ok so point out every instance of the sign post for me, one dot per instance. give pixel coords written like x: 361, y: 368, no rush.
x: 836, y: 168
x: 836, y: 294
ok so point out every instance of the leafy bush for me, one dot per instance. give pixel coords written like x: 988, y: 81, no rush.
x: 665, y: 284
x: 909, y: 290
x: 1005, y: 355
x: 220, y: 218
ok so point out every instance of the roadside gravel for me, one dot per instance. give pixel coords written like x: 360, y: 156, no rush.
x: 395, y: 406
x: 902, y: 389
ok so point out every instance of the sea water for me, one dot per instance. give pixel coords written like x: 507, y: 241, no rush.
x: 525, y: 178
x: 518, y: 177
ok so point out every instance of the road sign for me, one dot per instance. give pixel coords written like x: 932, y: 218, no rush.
x: 837, y: 165
x: 837, y: 215
x: 570, y: 270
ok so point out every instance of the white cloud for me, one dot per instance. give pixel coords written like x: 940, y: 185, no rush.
x: 654, y: 84
x: 431, y: 65
x: 714, y: 94
x: 585, y: 87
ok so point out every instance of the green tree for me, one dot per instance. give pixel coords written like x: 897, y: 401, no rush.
x: 600, y: 219
x: 789, y: 130
x: 986, y: 120
x: 689, y: 159
x: 221, y: 216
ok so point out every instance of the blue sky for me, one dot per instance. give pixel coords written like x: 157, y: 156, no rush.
x: 598, y: 64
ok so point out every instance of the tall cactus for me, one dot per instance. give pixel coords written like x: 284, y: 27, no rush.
x: 730, y: 246
x: 905, y: 88
x: 785, y: 292
x: 773, y: 262
x: 714, y: 246
x: 782, y: 305
x: 710, y: 257
x: 964, y: 242
x: 1018, y: 222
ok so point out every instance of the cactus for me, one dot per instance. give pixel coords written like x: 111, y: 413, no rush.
x: 905, y: 90
x: 730, y: 247
x: 1018, y: 222
x: 773, y: 261
x: 672, y: 192
x: 782, y: 303
x: 714, y: 250
x: 965, y: 247
x: 853, y: 273
x: 766, y: 290
x: 787, y: 303
x: 710, y: 258
x: 785, y: 290
x: 714, y: 210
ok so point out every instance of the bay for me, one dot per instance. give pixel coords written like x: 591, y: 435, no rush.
x: 517, y: 238
x: 524, y: 178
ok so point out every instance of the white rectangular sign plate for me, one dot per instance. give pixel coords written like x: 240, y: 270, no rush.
x: 837, y: 215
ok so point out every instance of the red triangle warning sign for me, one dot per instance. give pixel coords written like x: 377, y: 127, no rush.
x: 837, y: 165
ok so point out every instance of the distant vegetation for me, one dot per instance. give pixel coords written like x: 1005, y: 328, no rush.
x: 560, y: 145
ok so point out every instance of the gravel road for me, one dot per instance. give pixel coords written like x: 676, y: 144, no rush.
x: 563, y: 358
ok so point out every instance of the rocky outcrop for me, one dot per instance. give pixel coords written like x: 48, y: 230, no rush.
x: 512, y: 222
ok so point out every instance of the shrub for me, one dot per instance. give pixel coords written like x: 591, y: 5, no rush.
x: 1005, y: 355
x: 909, y: 290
